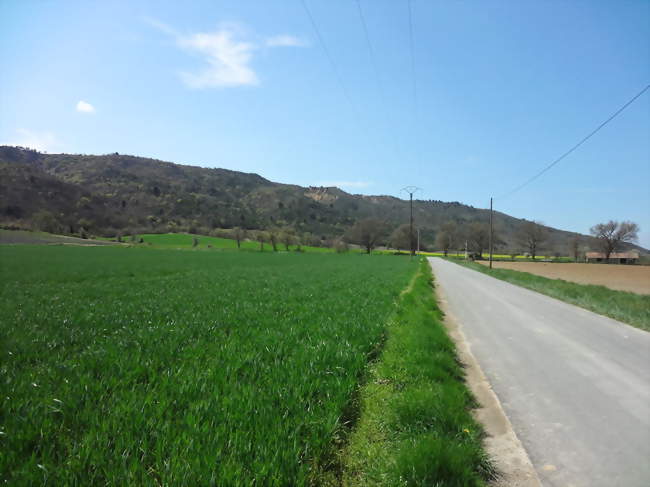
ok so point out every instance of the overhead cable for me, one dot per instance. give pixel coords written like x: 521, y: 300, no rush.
x: 582, y: 141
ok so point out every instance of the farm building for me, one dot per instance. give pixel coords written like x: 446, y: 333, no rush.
x: 630, y: 257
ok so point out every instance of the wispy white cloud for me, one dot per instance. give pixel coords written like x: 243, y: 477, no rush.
x: 85, y: 107
x: 161, y: 26
x: 346, y: 184
x: 227, y: 52
x: 285, y: 40
x: 41, y: 141
x: 228, y: 60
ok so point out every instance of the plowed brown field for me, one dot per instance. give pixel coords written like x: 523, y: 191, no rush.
x: 634, y: 278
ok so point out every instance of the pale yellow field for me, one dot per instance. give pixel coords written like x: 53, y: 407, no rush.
x: 634, y: 278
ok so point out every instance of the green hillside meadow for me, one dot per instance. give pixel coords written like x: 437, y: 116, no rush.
x: 185, y: 241
x: 127, y: 366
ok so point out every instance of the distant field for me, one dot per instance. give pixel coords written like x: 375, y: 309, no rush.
x: 39, y: 238
x: 126, y: 366
x: 620, y: 277
x: 497, y: 256
x: 631, y: 308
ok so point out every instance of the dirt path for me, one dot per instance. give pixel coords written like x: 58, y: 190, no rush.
x: 633, y: 278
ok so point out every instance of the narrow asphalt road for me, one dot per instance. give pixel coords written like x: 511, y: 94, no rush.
x: 575, y: 385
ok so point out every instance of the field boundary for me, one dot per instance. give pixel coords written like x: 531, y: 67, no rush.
x: 629, y: 308
x: 504, y: 448
x: 329, y: 469
x: 415, y: 424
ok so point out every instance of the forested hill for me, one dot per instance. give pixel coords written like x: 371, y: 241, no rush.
x: 110, y: 193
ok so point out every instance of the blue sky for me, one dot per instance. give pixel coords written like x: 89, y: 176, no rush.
x: 501, y: 89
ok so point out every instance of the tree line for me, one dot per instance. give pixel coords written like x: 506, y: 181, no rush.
x: 474, y: 238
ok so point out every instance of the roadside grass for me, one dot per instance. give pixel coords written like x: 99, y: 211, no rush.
x: 126, y: 366
x: 415, y: 425
x: 630, y: 308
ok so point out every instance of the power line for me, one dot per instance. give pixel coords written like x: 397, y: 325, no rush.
x: 592, y: 133
x: 414, y: 89
x: 375, y: 67
x: 373, y: 60
x: 328, y: 55
x: 412, y: 47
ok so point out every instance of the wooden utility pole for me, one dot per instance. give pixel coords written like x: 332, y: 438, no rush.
x: 491, y: 233
x: 410, y: 190
x: 411, y: 231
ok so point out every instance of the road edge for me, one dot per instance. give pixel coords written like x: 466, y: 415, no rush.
x: 502, y: 444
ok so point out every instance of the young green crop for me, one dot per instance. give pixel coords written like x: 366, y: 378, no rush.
x: 126, y: 366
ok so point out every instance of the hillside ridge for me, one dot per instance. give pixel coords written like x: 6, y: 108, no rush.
x: 107, y: 194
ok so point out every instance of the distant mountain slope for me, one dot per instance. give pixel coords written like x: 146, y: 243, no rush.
x: 110, y: 193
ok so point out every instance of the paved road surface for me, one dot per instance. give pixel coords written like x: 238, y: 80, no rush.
x: 575, y: 385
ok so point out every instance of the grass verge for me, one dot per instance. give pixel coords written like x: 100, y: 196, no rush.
x: 415, y: 425
x: 630, y: 308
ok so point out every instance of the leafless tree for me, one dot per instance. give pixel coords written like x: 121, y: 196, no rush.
x: 478, y: 236
x: 612, y: 234
x: 531, y: 235
x: 574, y: 248
x: 447, y: 236
x: 287, y: 238
x: 239, y: 234
x: 273, y: 238
x: 310, y: 239
x: 45, y: 221
x: 400, y: 239
x: 340, y: 245
x: 261, y: 238
x: 367, y: 233
x: 443, y: 242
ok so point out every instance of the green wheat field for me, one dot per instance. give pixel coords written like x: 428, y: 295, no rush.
x: 127, y: 366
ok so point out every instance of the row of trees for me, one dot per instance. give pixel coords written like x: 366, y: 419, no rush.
x: 280, y: 238
x: 611, y: 237
x: 372, y: 232
x: 475, y: 237
x: 367, y: 233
